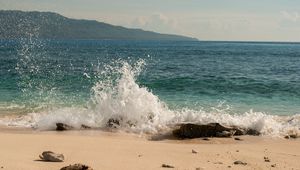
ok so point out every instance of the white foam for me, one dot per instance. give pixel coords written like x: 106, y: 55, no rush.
x: 117, y: 95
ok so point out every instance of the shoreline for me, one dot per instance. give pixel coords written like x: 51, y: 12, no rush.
x: 118, y: 150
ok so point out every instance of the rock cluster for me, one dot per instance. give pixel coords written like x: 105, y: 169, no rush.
x: 190, y: 130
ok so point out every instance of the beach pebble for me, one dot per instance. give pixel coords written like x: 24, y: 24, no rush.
x: 62, y: 127
x: 236, y: 138
x: 194, y: 151
x: 167, y: 166
x: 77, y: 167
x: 267, y: 159
x: 52, y: 157
x: 239, y: 163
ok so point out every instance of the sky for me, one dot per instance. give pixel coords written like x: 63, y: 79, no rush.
x: 229, y: 20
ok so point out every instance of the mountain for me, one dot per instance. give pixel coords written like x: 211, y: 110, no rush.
x: 49, y: 25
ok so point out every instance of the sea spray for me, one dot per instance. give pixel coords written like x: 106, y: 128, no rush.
x: 117, y: 95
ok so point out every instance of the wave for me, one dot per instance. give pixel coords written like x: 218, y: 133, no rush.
x: 117, y: 96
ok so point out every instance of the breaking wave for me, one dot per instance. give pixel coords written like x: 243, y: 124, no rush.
x: 133, y: 108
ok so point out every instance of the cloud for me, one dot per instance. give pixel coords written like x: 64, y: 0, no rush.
x: 291, y: 16
x: 290, y: 20
x: 156, y: 22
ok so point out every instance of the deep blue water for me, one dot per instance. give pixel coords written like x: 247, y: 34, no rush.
x: 41, y: 74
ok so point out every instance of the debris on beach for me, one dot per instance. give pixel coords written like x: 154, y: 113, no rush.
x: 267, y: 159
x: 77, y: 167
x: 63, y: 127
x: 239, y: 163
x: 190, y: 130
x: 167, y: 166
x: 50, y: 156
x: 194, y: 151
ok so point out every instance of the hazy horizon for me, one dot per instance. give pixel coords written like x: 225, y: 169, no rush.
x: 231, y: 20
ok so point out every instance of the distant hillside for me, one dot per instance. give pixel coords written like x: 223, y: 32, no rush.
x: 48, y: 25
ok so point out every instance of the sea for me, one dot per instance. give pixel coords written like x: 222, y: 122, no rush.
x: 150, y: 86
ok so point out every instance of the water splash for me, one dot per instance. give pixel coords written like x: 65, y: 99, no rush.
x: 117, y: 95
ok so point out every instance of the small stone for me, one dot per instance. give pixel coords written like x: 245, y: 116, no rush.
x: 236, y: 138
x: 229, y: 166
x: 77, y: 167
x: 239, y: 163
x: 62, y: 127
x: 207, y: 139
x: 50, y: 156
x: 267, y: 159
x: 293, y: 136
x: 274, y: 165
x: 167, y: 166
x: 193, y: 151
x: 140, y: 155
x: 237, y: 151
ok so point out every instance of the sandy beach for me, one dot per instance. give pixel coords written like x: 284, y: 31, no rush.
x: 115, y: 150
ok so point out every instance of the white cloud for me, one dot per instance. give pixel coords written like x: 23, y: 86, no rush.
x: 156, y: 22
x: 291, y: 16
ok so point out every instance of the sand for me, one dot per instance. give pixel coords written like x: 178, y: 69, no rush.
x: 19, y: 150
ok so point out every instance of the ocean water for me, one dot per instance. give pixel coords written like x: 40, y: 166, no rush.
x: 151, y: 84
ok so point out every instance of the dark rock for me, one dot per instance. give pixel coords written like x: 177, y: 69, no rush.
x: 193, y: 151
x: 85, y: 127
x: 239, y: 163
x: 267, y: 159
x: 113, y: 122
x: 190, y: 130
x: 225, y: 134
x: 207, y: 139
x: 239, y: 131
x: 195, y: 131
x: 167, y: 166
x: 50, y: 156
x: 238, y: 139
x: 252, y: 132
x: 62, y: 127
x: 274, y: 165
x: 293, y: 136
x: 77, y: 167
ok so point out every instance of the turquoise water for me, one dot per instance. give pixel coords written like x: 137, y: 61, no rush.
x: 150, y: 83
x: 241, y: 75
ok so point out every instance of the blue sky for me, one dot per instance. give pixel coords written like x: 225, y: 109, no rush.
x: 254, y: 20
